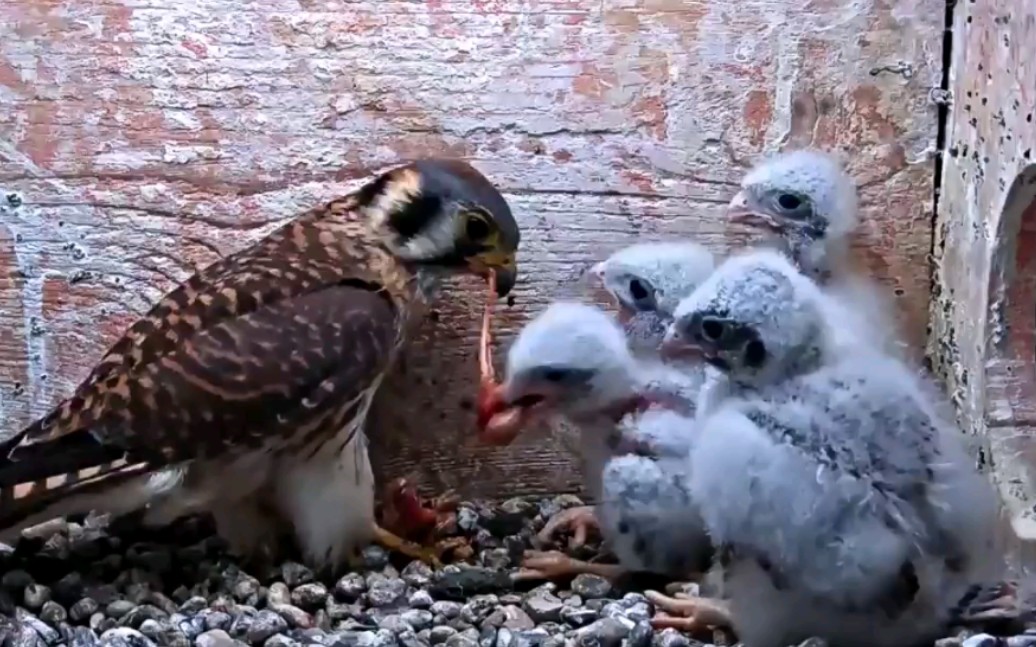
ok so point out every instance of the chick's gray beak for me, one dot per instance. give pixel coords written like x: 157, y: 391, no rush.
x: 675, y: 345
x: 741, y: 210
x: 593, y: 276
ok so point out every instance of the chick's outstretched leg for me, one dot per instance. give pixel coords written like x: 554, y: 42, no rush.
x: 689, y: 614
x: 549, y: 565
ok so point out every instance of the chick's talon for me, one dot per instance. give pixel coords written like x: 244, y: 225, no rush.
x: 580, y: 520
x: 690, y: 614
x: 553, y: 564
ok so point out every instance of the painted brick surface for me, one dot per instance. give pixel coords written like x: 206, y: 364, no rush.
x: 142, y: 139
x: 984, y: 309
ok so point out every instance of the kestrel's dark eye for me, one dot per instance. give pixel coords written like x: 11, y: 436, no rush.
x: 789, y: 201
x: 476, y: 228
x: 638, y: 291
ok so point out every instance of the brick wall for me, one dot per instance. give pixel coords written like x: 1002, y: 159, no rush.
x: 141, y: 139
x: 984, y: 307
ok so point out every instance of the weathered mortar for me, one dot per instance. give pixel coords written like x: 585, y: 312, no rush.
x: 144, y: 138
x: 984, y: 311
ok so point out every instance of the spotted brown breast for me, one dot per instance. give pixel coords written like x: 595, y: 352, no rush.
x: 274, y: 346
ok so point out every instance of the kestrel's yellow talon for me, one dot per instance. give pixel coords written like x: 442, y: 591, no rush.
x: 392, y: 542
x: 447, y: 501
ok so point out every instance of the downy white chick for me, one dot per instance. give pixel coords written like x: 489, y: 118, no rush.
x: 807, y: 199
x: 646, y: 282
x: 573, y: 361
x: 649, y: 517
x: 841, y: 506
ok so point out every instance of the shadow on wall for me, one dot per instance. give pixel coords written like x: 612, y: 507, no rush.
x: 1010, y: 414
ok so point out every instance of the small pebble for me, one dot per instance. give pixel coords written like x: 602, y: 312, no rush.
x: 640, y: 635
x: 265, y: 624
x: 981, y: 640
x: 375, y: 557
x: 393, y: 623
x: 16, y: 579
x: 36, y: 595
x: 461, y: 640
x: 420, y: 599
x: 606, y: 632
x: 309, y: 596
x: 350, y: 587
x: 215, y: 638
x: 417, y: 574
x: 118, y: 608
x: 295, y: 574
x: 418, y: 618
x: 578, y: 616
x: 670, y: 638
x: 591, y: 586
x: 441, y: 634
x: 447, y: 609
x: 386, y: 591
x: 480, y: 606
x: 125, y: 637
x: 53, y: 613
x: 510, y: 617
x: 543, y: 606
x: 69, y: 588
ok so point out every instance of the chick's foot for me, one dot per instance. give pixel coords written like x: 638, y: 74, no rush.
x: 690, y: 614
x: 580, y: 520
x: 549, y: 565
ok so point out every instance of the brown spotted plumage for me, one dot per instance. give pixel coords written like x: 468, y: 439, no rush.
x: 243, y: 392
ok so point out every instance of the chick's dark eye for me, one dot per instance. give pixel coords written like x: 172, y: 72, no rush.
x: 476, y: 228
x: 638, y: 290
x: 755, y: 353
x: 789, y: 201
x: 555, y: 375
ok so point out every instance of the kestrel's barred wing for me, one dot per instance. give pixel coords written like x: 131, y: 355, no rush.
x: 289, y: 262
x: 285, y: 338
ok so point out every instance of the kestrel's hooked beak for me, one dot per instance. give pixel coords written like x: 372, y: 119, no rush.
x: 502, y: 262
x: 676, y: 346
x: 741, y: 210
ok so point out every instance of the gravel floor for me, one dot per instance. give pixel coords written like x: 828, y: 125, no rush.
x: 87, y: 583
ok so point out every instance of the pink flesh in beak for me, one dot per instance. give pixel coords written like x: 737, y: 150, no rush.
x: 504, y: 425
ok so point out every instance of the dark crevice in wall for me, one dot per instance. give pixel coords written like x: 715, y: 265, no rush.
x: 943, y: 110
x: 942, y: 99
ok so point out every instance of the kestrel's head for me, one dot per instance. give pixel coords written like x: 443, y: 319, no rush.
x: 807, y: 199
x: 648, y: 280
x: 756, y: 318
x: 443, y: 213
